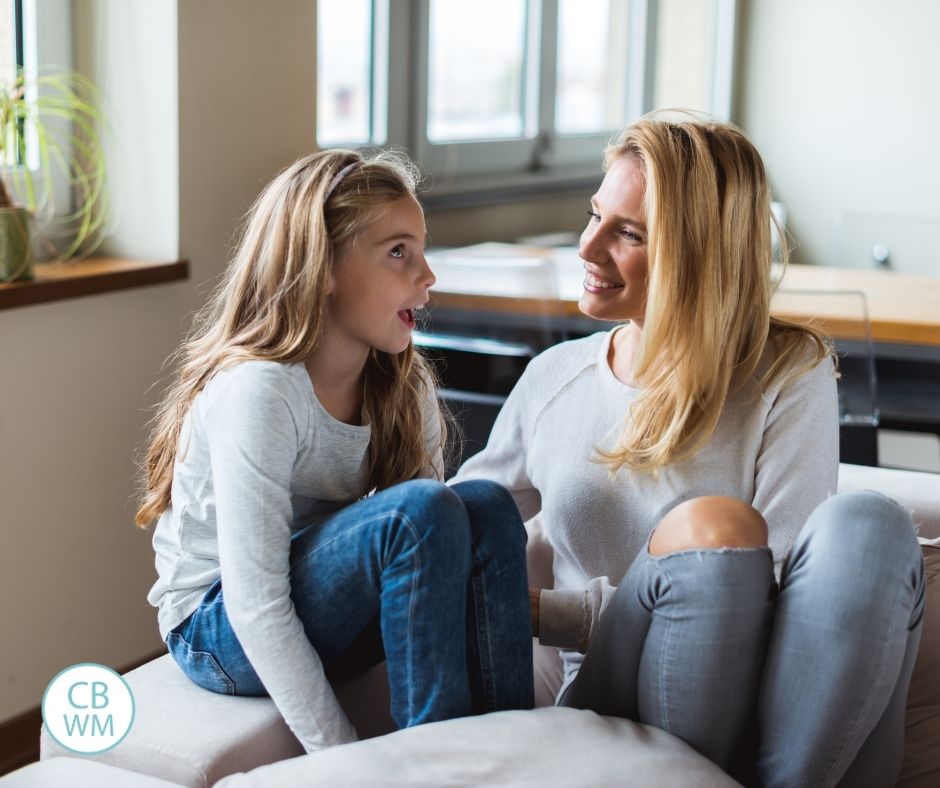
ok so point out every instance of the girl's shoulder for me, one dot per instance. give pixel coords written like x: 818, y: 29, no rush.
x: 256, y: 380
x: 798, y: 365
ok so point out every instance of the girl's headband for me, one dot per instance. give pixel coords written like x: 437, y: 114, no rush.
x: 339, y: 177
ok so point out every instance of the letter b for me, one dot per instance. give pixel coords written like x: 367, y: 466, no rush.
x: 99, y: 690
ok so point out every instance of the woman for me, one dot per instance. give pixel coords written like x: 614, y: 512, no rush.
x: 688, y: 454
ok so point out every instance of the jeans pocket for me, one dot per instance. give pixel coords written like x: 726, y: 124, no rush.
x: 200, y: 666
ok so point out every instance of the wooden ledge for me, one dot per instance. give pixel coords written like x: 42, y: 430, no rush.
x: 58, y: 281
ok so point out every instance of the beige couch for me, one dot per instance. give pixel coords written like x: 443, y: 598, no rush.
x: 187, y: 736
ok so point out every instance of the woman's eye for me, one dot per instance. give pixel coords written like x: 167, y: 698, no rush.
x: 398, y: 251
x: 595, y: 217
x: 629, y: 235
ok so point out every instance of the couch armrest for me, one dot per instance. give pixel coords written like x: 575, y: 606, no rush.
x: 917, y: 492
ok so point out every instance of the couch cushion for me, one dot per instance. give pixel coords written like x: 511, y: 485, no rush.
x: 189, y: 735
x: 60, y: 772
x: 541, y: 748
x: 921, y: 767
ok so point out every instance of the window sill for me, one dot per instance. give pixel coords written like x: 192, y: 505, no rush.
x: 59, y: 281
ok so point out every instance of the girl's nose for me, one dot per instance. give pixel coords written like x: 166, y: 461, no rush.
x: 427, y: 275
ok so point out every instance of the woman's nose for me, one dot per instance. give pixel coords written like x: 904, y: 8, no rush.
x: 590, y: 247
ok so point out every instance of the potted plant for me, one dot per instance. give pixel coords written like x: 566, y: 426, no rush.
x: 50, y: 127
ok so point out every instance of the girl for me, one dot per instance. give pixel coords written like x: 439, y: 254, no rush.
x: 701, y: 443
x: 299, y: 392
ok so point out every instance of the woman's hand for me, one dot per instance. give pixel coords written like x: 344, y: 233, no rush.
x: 534, y: 595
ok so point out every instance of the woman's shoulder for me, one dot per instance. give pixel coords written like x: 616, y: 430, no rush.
x: 794, y: 362
x: 571, y: 356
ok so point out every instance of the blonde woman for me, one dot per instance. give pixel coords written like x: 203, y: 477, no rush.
x: 298, y: 393
x: 683, y: 457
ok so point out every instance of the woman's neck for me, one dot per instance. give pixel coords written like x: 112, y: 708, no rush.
x: 622, y: 353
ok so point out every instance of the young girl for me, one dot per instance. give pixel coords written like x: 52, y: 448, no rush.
x: 699, y: 443
x: 299, y: 392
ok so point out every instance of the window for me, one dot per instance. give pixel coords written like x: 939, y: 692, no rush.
x: 34, y: 34
x: 530, y: 90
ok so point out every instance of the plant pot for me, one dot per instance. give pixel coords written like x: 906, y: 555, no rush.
x: 16, y: 259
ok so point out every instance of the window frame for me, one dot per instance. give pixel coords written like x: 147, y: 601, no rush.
x: 493, y: 170
x: 44, y: 38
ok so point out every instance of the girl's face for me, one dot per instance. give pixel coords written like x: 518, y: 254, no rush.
x: 613, y: 247
x: 380, y: 280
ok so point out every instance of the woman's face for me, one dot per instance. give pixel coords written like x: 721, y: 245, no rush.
x: 613, y: 247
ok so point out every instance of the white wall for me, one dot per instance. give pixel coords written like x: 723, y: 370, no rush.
x: 209, y: 99
x: 841, y: 98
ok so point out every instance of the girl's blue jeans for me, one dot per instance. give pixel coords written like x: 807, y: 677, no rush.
x: 429, y: 578
x: 804, y: 684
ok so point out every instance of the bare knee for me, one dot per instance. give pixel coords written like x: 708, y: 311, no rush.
x: 712, y: 521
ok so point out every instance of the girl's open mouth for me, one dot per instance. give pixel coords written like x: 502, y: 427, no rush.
x: 407, y: 316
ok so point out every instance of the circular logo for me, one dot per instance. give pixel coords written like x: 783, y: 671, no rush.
x: 88, y: 708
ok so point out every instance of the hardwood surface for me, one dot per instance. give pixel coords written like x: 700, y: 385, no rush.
x: 57, y: 281
x: 903, y: 308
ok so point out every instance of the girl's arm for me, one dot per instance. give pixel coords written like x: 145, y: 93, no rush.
x: 254, y: 435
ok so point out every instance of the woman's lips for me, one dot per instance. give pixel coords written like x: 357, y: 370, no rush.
x: 407, y: 316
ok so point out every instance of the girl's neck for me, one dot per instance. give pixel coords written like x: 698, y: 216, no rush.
x: 336, y: 373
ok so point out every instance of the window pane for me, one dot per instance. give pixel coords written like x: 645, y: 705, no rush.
x: 685, y: 54
x: 591, y: 89
x: 7, y: 43
x: 475, y: 69
x: 344, y: 66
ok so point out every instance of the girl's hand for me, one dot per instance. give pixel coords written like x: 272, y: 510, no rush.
x: 534, y: 595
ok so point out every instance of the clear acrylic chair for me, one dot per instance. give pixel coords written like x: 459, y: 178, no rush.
x: 843, y: 315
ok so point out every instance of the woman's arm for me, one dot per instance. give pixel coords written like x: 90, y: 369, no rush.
x: 797, y: 467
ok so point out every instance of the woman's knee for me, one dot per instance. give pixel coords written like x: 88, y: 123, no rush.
x: 709, y: 522
x: 862, y: 523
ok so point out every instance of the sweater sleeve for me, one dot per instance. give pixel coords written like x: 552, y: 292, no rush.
x: 798, y: 463
x: 505, y: 458
x: 253, y: 436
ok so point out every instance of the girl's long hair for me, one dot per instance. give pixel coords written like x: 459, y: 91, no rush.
x: 270, y: 305
x: 707, y: 320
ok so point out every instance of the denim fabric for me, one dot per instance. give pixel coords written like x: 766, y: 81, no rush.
x: 430, y: 578
x: 801, y: 686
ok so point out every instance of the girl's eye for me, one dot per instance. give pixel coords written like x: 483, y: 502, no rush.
x: 595, y: 217
x: 398, y: 251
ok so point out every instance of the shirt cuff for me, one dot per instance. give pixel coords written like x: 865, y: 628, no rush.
x: 563, y: 620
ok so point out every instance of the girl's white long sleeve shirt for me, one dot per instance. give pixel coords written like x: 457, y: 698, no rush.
x: 260, y: 458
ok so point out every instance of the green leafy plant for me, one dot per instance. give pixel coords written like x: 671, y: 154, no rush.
x: 51, y: 126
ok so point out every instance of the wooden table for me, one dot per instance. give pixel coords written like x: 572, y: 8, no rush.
x: 902, y: 308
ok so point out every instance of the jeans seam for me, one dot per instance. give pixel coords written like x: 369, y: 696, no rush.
x: 478, y: 584
x: 866, y: 707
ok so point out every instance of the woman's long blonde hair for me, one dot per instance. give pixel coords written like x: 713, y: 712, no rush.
x: 270, y: 306
x: 707, y: 319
